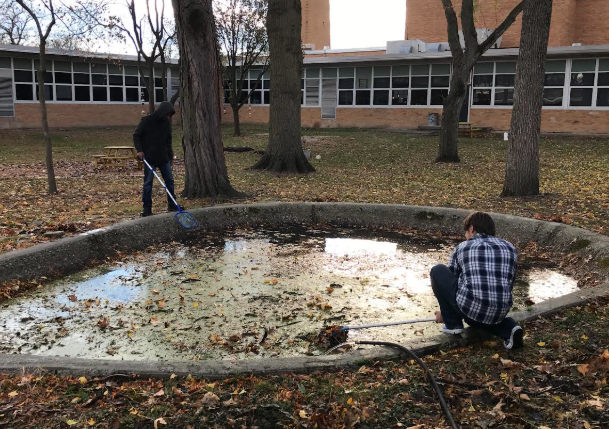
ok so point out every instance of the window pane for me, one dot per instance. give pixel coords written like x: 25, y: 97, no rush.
x: 131, y: 71
x: 158, y: 82
x: 483, y: 68
x: 131, y: 81
x: 116, y: 80
x: 603, y: 65
x: 65, y: 66
x: 554, y: 79
x: 582, y: 79
x: 346, y: 83
x: 603, y: 97
x: 99, y: 68
x: 114, y: 69
x: 401, y: 82
x: 583, y: 66
x: 362, y: 98
x: 555, y: 66
x: 438, y: 96
x: 440, y: 81
x: 254, y: 73
x: 5, y: 63
x: 603, y: 79
x: 82, y: 78
x: 144, y: 95
x: 400, y: 98
x: 420, y: 70
x: 312, y: 73
x: 158, y: 95
x: 552, y: 96
x: 420, y: 82
x: 503, y: 67
x: 267, y: 97
x: 132, y: 94
x: 346, y: 72
x: 382, y: 71
x: 382, y: 82
x: 63, y: 77
x: 483, y: 81
x: 581, y: 97
x: 48, y: 77
x: 116, y: 94
x: 482, y: 97
x: 100, y: 93
x: 329, y: 73
x: 266, y: 84
x: 401, y: 70
x: 437, y: 69
x: 418, y: 98
x: 23, y: 76
x: 81, y: 67
x: 381, y: 98
x: 504, y: 97
x: 48, y: 92
x: 504, y: 80
x: 24, y: 92
x: 312, y: 92
x: 345, y: 98
x: 363, y: 76
x: 81, y: 93
x: 22, y: 63
x: 256, y: 97
x: 99, y: 79
x: 255, y: 84
x: 63, y: 92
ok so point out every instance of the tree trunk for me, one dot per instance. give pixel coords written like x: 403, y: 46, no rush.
x: 522, y: 165
x: 284, y: 151
x: 52, y: 184
x: 206, y: 174
x: 236, y: 123
x: 449, y: 134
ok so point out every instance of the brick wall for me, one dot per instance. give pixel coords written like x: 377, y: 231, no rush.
x: 310, y: 116
x: 27, y: 115
x: 316, y: 22
x: 582, y: 21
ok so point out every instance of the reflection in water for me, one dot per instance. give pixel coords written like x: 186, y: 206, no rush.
x: 217, y: 298
x: 546, y: 284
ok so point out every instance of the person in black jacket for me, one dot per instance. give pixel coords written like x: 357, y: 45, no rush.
x: 152, y: 139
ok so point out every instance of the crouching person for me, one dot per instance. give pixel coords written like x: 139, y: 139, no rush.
x: 476, y: 286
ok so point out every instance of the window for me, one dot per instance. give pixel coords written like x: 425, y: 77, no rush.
x: 48, y: 93
x: 582, y: 82
x: 419, y: 83
x: 346, y: 85
x: 100, y: 93
x: 505, y: 76
x: 483, y: 82
x: 82, y: 93
x: 554, y: 83
x: 440, y: 83
x: 116, y: 94
x: 602, y: 97
x: 312, y: 87
x: 382, y: 80
x: 63, y: 92
x: 363, y: 84
x: 400, y: 82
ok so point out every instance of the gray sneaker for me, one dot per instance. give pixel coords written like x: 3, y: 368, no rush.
x: 516, y: 339
x: 452, y: 331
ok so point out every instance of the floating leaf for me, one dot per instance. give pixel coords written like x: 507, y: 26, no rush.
x: 541, y: 344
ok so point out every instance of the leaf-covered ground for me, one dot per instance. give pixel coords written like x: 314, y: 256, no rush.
x: 559, y: 380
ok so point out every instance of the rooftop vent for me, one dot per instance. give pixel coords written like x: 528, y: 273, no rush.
x: 413, y: 46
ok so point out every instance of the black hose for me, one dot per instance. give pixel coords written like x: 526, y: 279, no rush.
x: 432, y: 380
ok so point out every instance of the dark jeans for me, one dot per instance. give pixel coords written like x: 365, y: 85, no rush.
x: 167, y: 174
x: 444, y: 285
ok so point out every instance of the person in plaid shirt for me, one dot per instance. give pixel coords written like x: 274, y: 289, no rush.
x: 476, y: 286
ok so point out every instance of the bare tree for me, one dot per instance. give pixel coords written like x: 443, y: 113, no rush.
x: 522, y: 165
x: 284, y: 151
x: 45, y: 16
x: 206, y: 173
x: 15, y: 23
x: 464, y: 59
x: 242, y: 36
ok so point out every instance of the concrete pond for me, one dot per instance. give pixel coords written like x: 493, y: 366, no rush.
x: 251, y: 289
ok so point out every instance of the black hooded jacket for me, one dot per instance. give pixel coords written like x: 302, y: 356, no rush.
x: 153, y: 136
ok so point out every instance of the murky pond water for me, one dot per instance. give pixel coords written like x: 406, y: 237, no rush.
x: 249, y: 294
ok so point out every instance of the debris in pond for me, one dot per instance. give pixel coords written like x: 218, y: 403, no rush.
x: 330, y: 336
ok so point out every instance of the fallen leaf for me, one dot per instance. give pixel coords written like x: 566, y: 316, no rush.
x: 541, y: 344
x: 210, y: 399
x: 303, y: 414
x: 73, y: 298
x: 350, y: 401
x: 83, y: 380
x: 159, y: 421
x: 71, y: 422
x: 583, y: 369
x: 160, y: 304
x: 229, y: 403
x: 91, y: 422
x: 156, y: 292
x: 524, y: 397
x: 159, y: 393
x: 13, y: 394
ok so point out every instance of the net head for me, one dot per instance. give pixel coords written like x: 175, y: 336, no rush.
x: 186, y: 220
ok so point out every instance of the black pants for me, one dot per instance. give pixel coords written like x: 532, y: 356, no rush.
x: 167, y: 174
x: 444, y: 284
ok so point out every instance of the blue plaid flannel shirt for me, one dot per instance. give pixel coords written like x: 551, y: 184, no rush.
x: 486, y: 268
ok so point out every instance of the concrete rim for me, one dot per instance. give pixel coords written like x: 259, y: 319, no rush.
x: 74, y: 253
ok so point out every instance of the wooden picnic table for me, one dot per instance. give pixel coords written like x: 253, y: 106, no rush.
x: 117, y: 154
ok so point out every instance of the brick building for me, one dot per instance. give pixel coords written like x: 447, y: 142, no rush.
x: 395, y: 86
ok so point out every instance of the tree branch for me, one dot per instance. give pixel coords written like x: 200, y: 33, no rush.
x: 509, y: 20
x: 452, y: 29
